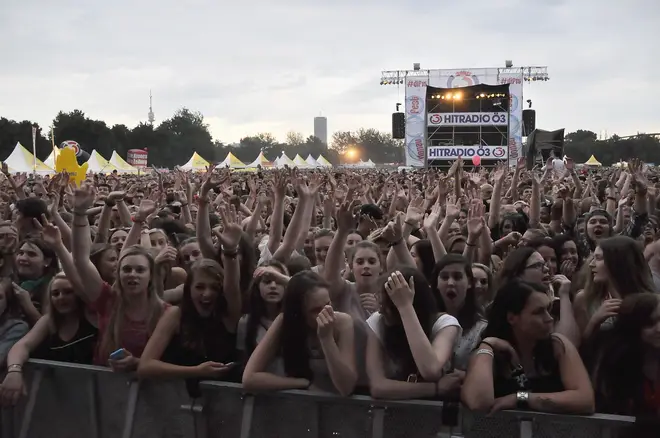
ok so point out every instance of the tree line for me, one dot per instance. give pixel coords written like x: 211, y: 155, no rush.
x: 173, y: 140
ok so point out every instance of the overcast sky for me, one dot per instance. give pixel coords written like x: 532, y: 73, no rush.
x: 271, y: 66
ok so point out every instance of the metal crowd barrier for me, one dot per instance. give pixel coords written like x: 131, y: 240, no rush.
x: 80, y: 401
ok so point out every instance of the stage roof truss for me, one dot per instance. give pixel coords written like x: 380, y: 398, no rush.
x: 530, y: 74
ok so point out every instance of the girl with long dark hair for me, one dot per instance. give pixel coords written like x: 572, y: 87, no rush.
x: 521, y: 363
x: 315, y: 342
x: 410, y: 343
x: 198, y: 338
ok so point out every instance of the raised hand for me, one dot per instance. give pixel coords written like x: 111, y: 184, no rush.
x: 393, y: 232
x: 399, y: 290
x: 50, y: 233
x: 146, y: 209
x: 476, y: 221
x: 345, y: 217
x: 232, y: 231
x: 432, y: 220
x: 83, y: 198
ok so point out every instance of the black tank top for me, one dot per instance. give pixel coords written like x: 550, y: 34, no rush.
x: 79, y: 349
x: 218, y: 345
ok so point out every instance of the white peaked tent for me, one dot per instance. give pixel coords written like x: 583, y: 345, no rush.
x: 299, y: 162
x: 196, y: 163
x: 261, y: 160
x: 98, y: 164
x: 21, y: 161
x: 370, y: 163
x: 50, y: 161
x: 121, y: 165
x: 323, y: 162
x: 311, y: 161
x: 285, y: 160
x: 232, y: 162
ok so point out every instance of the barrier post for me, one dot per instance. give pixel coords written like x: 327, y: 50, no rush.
x: 133, y: 392
x: 92, y: 393
x: 377, y: 421
x: 31, y: 403
x: 248, y: 412
x: 526, y: 430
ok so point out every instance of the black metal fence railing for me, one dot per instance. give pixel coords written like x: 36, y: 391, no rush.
x: 79, y: 401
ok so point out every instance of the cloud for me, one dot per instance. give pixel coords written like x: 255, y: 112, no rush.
x: 272, y: 66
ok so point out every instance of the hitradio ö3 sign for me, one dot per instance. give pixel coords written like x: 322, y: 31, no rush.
x: 466, y: 152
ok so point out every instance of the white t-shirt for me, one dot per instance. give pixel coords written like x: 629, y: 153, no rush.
x: 377, y: 325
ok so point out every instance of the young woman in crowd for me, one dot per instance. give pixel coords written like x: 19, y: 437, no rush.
x: 455, y: 293
x: 618, y: 269
x: 410, y: 342
x: 36, y: 264
x: 63, y: 334
x: 198, y: 339
x: 265, y: 304
x: 521, y: 363
x: 625, y: 374
x: 484, y: 288
x: 357, y: 299
x: 128, y: 311
x: 316, y: 343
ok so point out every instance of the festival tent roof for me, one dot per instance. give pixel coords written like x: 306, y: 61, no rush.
x: 285, y: 160
x: 261, y: 160
x: 311, y: 161
x: 50, y: 161
x: 121, y: 165
x: 323, y: 162
x: 231, y: 161
x: 370, y: 163
x: 98, y: 164
x: 196, y: 162
x: 21, y: 160
x: 299, y: 162
x: 592, y: 161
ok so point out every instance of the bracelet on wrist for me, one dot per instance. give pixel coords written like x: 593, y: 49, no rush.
x: 110, y: 203
x: 137, y: 220
x: 393, y: 244
x: 16, y: 368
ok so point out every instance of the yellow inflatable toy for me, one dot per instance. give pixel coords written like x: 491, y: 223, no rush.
x: 66, y: 161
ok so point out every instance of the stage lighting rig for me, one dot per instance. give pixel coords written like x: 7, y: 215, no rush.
x: 399, y: 77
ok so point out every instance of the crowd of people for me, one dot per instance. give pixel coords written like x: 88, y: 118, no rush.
x: 502, y: 288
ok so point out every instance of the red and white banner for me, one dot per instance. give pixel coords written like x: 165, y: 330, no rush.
x: 137, y: 157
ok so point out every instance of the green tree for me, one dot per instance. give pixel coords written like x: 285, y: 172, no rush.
x: 294, y: 139
x: 179, y: 136
x: 12, y: 132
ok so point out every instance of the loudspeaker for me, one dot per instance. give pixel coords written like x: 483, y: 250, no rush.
x: 529, y: 121
x: 398, y: 125
x: 544, y: 144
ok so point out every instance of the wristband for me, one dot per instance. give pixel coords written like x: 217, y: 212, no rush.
x: 110, y: 203
x: 137, y: 220
x: 392, y: 244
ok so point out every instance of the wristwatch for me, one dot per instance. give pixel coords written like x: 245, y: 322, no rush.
x: 522, y: 398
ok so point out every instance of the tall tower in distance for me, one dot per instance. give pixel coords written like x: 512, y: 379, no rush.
x: 321, y: 129
x: 151, y: 116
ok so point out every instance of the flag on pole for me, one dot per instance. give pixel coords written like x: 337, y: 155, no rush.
x: 34, y: 149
